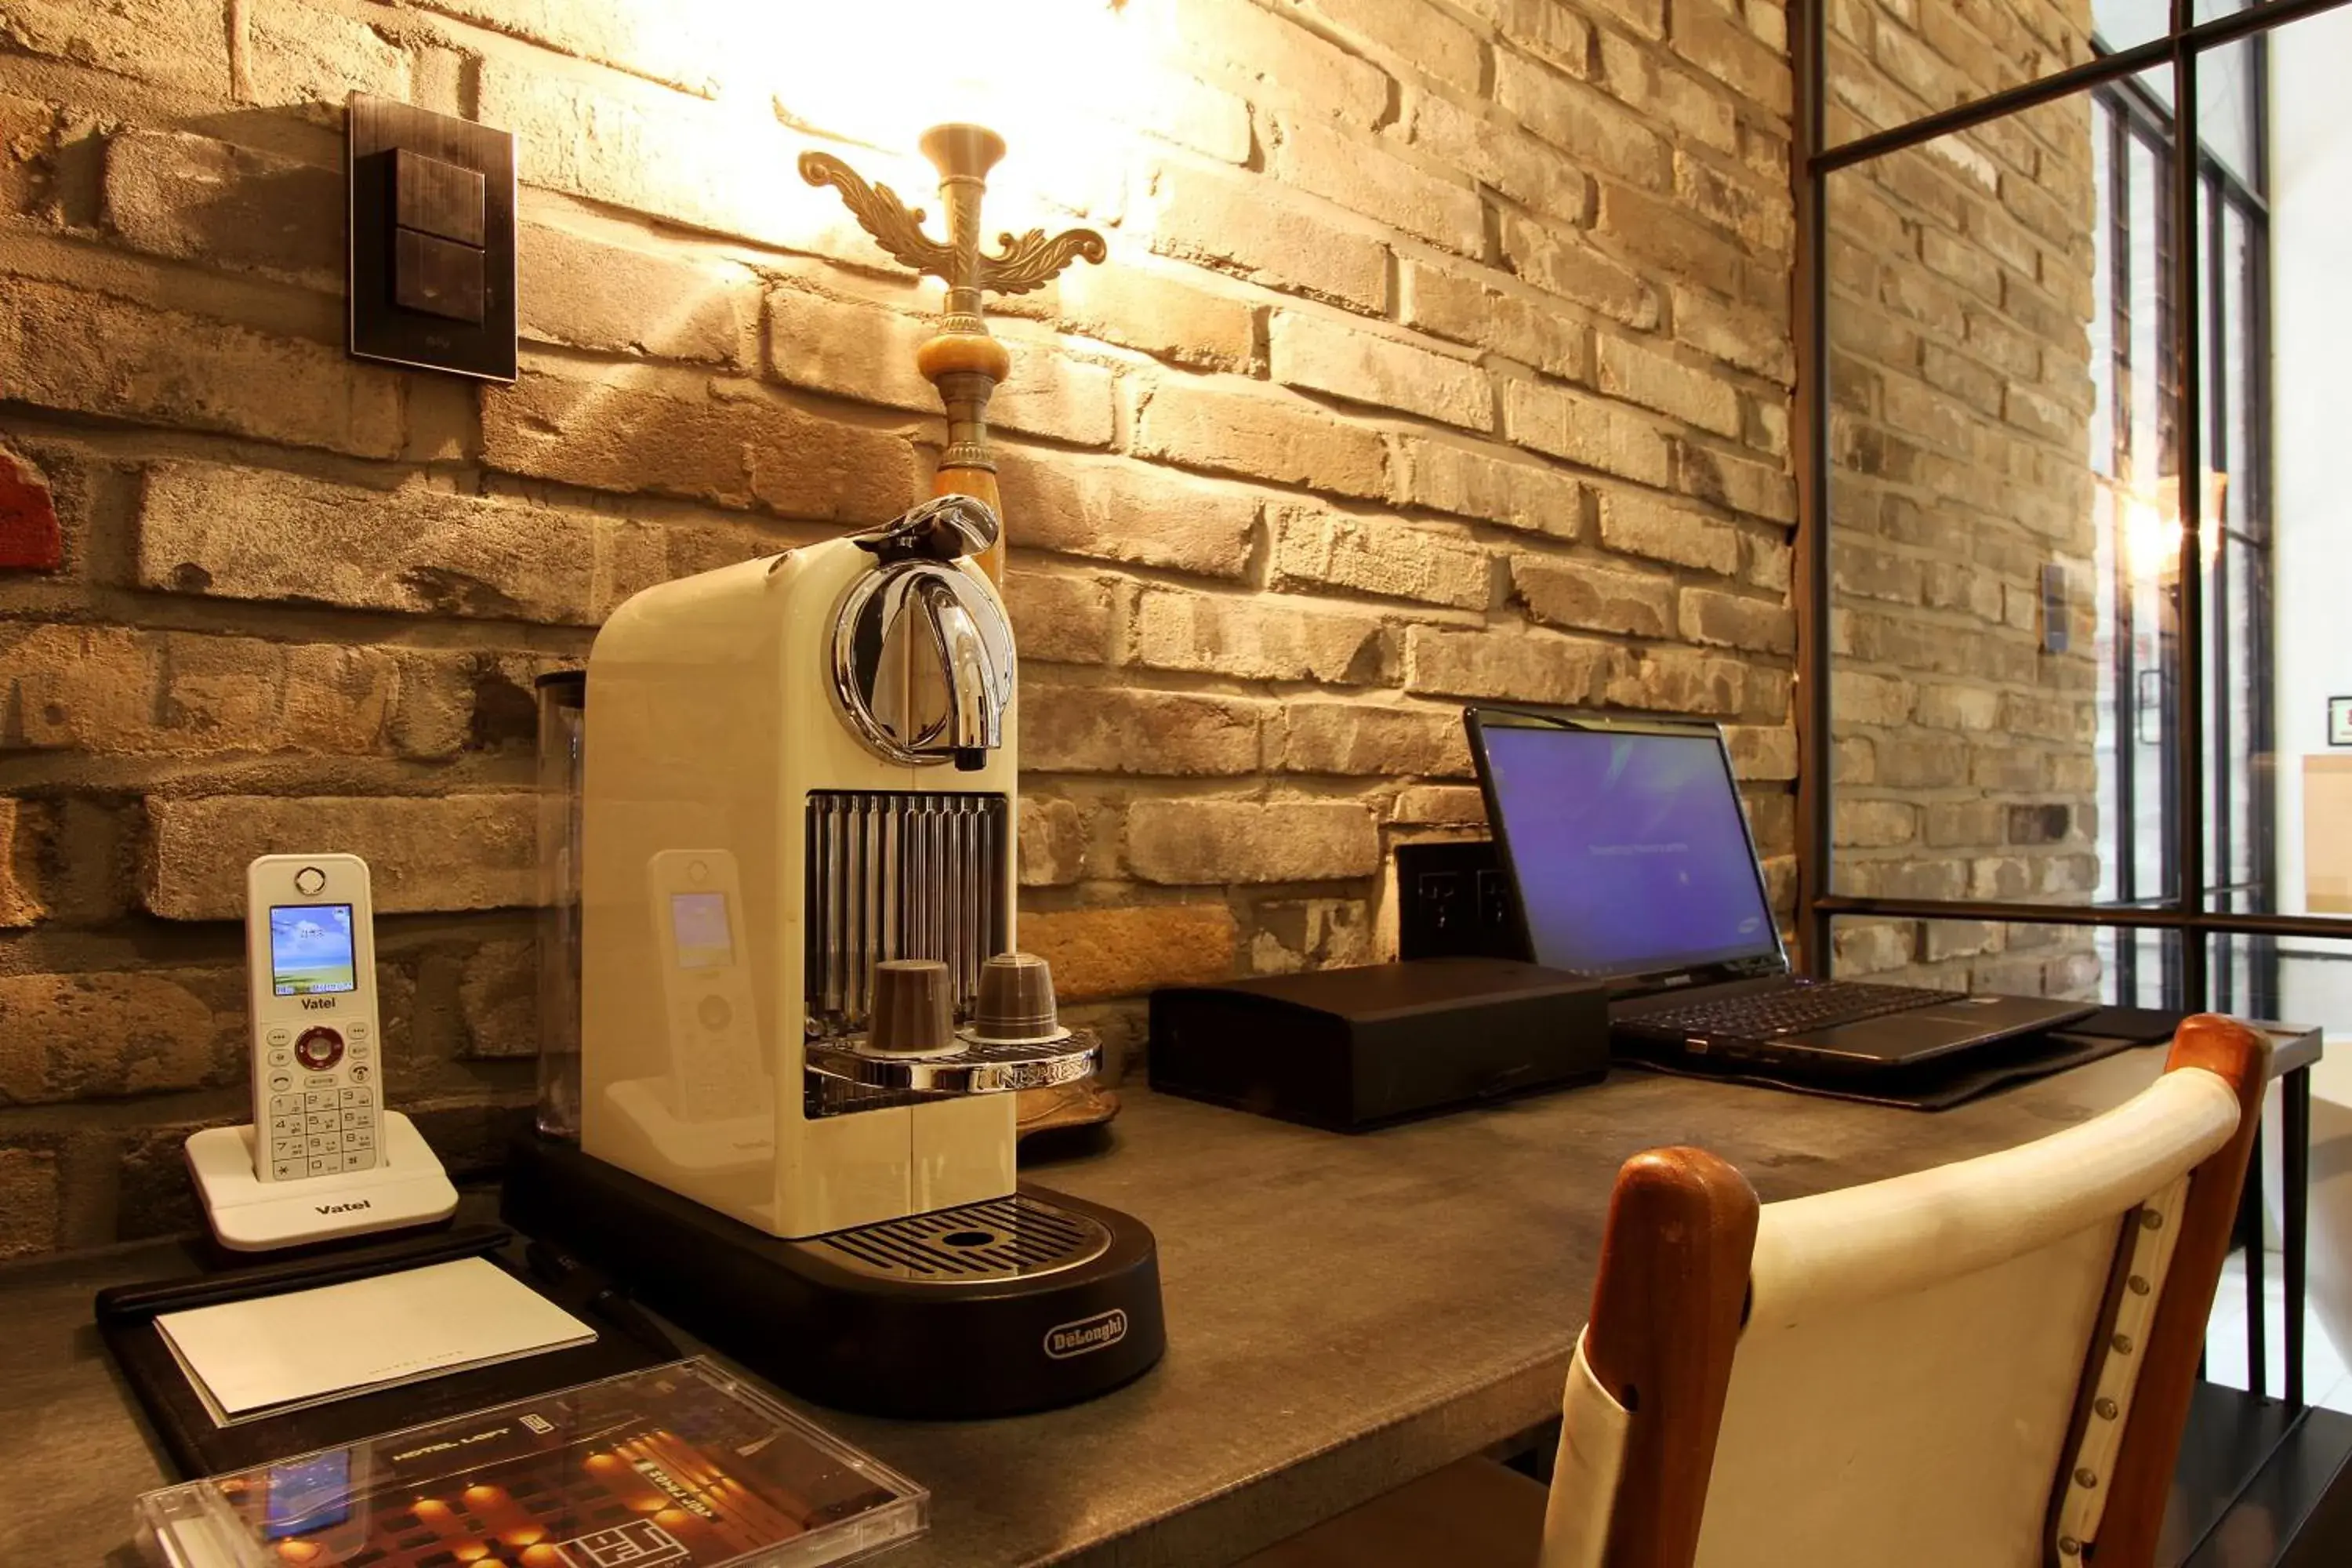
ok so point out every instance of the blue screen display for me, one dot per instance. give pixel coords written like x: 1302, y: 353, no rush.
x: 311, y: 949
x: 1629, y: 850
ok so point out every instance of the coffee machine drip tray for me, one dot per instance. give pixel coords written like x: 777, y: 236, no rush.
x: 1024, y: 1302
x: 974, y: 1067
x: 1019, y: 1237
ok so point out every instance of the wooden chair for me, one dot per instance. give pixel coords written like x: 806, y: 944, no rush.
x: 1983, y: 1365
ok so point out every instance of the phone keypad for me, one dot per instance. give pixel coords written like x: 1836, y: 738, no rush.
x: 326, y: 1124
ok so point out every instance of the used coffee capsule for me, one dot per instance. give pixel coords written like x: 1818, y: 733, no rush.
x: 1015, y: 1007
x: 913, y: 1012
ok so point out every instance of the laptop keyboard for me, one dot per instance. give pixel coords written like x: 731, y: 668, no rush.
x: 1762, y: 1015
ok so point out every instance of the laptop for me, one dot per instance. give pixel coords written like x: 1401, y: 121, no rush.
x: 1629, y: 860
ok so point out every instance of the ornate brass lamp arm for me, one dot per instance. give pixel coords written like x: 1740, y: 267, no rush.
x: 964, y: 360
x: 897, y: 227
x: 1032, y: 261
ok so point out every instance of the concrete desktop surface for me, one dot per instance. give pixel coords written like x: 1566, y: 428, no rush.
x: 1344, y: 1313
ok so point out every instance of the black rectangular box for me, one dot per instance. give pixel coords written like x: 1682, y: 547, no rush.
x: 1352, y: 1048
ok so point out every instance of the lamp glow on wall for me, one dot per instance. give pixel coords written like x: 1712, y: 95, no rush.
x: 973, y: 75
x: 2152, y: 528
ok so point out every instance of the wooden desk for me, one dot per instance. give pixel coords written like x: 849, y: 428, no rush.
x: 1344, y: 1313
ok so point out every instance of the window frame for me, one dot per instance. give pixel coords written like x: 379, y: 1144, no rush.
x: 2187, y: 917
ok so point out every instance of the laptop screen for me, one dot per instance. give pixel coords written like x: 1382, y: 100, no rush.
x: 1628, y: 848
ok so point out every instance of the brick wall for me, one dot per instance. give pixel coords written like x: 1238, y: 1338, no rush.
x: 1960, y: 276
x: 1443, y: 353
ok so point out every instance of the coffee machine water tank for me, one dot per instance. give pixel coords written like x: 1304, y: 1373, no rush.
x: 802, y: 767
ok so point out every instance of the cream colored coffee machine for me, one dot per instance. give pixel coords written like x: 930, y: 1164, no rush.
x: 800, y: 776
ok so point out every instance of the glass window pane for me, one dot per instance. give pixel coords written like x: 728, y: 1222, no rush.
x: 2120, y: 24
x: 2207, y: 10
x: 2225, y: 656
x: 2140, y: 969
x: 2225, y: 106
x: 1888, y: 65
x: 2292, y: 980
x: 2003, y: 424
x: 2297, y: 815
x: 2085, y: 963
x: 2105, y: 347
x: 2296, y: 982
x: 2245, y: 478
x: 2310, y: 982
x: 2241, y: 808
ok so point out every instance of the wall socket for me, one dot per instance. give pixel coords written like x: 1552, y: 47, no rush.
x: 1453, y: 901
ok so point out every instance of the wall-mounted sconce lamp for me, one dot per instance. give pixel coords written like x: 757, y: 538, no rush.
x: 963, y: 361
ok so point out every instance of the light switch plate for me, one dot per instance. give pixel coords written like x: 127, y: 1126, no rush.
x: 425, y: 335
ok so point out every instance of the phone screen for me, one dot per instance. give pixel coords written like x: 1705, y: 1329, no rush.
x: 311, y: 949
x: 698, y: 923
x: 308, y: 1495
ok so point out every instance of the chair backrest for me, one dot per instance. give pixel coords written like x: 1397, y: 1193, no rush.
x: 1985, y: 1364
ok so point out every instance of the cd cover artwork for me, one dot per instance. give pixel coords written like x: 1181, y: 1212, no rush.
x: 681, y: 1465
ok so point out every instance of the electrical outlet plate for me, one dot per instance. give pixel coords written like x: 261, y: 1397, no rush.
x: 1453, y: 901
x: 420, y: 295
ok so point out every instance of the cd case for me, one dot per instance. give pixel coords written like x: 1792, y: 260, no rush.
x: 675, y: 1466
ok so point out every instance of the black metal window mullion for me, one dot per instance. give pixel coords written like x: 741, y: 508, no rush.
x: 2220, y: 729
x: 2189, y: 610
x: 1810, y: 442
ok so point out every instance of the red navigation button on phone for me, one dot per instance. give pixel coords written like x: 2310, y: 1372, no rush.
x: 319, y: 1048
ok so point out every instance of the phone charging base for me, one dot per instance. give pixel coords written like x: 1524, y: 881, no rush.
x: 406, y: 1189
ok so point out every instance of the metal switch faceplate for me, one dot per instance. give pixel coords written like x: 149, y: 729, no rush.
x: 432, y: 264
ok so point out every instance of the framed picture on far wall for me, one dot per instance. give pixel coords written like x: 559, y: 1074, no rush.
x: 2339, y: 721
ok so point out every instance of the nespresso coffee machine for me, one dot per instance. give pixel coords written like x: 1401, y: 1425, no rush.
x: 801, y: 1020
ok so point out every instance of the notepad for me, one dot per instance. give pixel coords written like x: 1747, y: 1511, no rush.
x: 276, y: 1353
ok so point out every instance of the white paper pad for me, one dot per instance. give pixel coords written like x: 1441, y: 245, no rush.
x: 279, y: 1352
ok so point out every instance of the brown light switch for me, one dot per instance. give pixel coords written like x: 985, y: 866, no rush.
x: 437, y: 238
x: 437, y: 198
x: 438, y: 277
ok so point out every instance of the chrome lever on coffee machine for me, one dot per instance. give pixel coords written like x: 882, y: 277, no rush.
x: 922, y: 658
x: 975, y: 715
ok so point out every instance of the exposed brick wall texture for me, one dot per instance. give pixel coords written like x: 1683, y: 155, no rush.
x: 1962, y: 276
x: 1443, y: 354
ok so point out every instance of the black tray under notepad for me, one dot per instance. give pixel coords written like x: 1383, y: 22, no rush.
x: 198, y: 1446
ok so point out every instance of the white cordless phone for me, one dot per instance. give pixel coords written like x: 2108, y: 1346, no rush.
x: 318, y: 1081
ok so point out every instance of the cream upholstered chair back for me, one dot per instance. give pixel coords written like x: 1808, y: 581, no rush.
x: 1982, y: 1365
